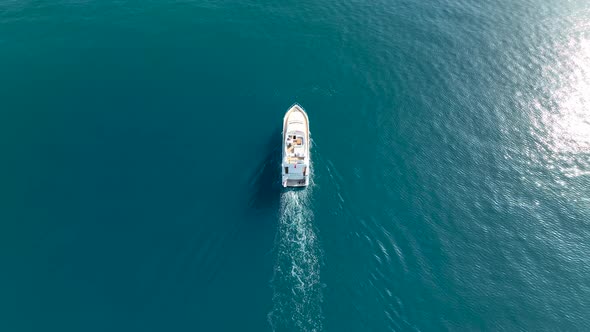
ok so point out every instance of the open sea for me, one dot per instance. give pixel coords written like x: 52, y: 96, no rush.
x: 140, y: 147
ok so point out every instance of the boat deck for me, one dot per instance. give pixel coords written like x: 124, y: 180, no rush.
x: 296, y: 183
x: 292, y: 145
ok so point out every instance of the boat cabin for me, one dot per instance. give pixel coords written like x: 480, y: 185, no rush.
x: 295, y: 146
x: 296, y: 150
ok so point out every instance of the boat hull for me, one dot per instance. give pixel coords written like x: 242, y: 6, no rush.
x: 296, y: 158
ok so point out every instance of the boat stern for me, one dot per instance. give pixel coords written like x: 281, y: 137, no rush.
x: 294, y: 175
x: 295, y: 183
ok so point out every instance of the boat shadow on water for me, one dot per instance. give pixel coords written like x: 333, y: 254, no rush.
x: 266, y: 178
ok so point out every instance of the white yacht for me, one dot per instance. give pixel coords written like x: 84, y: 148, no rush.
x: 295, y: 166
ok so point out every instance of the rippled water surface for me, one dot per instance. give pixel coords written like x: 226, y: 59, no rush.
x: 140, y: 152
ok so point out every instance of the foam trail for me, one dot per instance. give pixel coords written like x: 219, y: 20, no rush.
x: 296, y: 281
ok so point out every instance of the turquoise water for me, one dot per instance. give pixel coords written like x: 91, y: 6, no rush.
x: 140, y: 180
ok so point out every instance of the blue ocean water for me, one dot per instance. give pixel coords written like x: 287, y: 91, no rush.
x: 140, y: 180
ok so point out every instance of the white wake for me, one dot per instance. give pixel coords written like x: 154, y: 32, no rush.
x: 296, y: 284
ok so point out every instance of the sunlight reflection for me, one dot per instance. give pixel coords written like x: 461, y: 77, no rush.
x: 570, y: 128
x: 564, y: 123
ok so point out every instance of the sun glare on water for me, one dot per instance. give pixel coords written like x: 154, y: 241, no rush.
x: 570, y: 127
x: 562, y: 122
